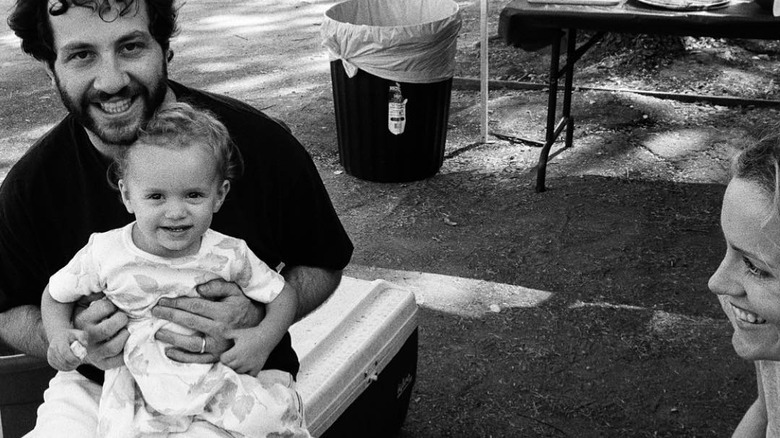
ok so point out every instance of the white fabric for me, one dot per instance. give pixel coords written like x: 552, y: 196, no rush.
x: 153, y: 394
x: 770, y: 380
x: 410, y: 41
x: 70, y: 410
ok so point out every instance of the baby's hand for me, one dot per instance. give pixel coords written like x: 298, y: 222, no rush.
x: 249, y: 352
x: 66, y: 349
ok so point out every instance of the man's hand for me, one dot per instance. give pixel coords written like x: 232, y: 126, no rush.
x: 106, y: 334
x: 223, y: 308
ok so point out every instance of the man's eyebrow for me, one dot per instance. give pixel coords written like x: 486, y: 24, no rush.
x: 75, y: 46
x: 78, y: 45
x: 135, y: 35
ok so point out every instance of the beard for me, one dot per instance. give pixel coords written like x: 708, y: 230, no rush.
x: 123, y: 132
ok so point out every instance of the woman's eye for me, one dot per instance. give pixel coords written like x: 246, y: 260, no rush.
x: 753, y: 269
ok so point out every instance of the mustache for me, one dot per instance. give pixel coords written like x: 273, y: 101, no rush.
x: 130, y: 90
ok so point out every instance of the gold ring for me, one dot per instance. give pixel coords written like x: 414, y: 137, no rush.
x: 202, y: 345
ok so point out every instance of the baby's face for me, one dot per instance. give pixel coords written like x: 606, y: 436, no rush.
x: 173, y: 194
x: 747, y: 281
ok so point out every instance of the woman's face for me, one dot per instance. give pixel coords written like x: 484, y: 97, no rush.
x: 747, y: 281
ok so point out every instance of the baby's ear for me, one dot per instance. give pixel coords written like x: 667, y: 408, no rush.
x: 125, y: 195
x: 222, y: 192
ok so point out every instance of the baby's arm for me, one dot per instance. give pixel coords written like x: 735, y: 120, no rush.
x: 253, y: 345
x: 60, y: 333
x: 754, y: 422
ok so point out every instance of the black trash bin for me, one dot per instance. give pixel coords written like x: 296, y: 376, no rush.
x: 392, y: 63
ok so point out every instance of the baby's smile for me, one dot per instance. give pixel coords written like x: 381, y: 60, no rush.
x: 746, y: 316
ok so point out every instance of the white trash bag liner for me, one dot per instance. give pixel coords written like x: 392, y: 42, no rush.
x: 410, y: 41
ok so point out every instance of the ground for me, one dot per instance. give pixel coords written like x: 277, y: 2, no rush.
x: 628, y: 341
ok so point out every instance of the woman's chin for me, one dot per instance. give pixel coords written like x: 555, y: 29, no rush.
x: 757, y: 348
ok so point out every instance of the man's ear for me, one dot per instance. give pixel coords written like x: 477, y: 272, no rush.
x: 222, y: 192
x: 125, y: 195
x: 50, y: 73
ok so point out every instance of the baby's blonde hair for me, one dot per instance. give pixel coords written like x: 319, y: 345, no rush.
x: 179, y: 126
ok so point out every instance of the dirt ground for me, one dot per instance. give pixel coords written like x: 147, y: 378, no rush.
x: 630, y: 342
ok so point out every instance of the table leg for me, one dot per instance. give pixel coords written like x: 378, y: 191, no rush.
x: 571, y: 58
x: 566, y: 121
x: 541, y: 167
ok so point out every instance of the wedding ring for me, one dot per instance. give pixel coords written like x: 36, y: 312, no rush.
x: 202, y: 345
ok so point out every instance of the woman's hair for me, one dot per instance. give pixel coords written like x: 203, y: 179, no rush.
x: 180, y: 126
x: 30, y: 21
x: 760, y: 164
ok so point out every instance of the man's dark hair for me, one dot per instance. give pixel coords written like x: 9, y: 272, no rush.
x: 30, y: 21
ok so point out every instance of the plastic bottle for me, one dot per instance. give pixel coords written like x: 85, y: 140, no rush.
x: 396, y: 110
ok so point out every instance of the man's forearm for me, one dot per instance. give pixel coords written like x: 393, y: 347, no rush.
x: 313, y: 286
x: 21, y: 328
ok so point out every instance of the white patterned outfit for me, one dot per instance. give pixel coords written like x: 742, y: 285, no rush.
x: 152, y: 395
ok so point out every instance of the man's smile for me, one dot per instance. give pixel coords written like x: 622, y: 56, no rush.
x: 116, y: 106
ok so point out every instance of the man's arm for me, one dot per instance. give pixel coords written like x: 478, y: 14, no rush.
x: 21, y: 328
x: 314, y: 286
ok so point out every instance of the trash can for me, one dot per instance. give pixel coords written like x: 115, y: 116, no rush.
x: 392, y: 63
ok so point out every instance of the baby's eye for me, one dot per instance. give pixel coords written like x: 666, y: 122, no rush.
x: 154, y: 196
x: 753, y: 269
x: 195, y: 195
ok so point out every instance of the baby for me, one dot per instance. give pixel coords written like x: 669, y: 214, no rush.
x: 173, y: 179
x: 747, y: 281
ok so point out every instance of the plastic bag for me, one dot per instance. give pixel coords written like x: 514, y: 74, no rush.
x: 410, y: 41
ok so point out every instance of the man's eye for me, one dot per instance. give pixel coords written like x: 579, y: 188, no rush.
x: 79, y: 56
x: 132, y: 48
x: 753, y: 269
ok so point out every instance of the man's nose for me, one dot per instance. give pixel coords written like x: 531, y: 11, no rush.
x: 111, y: 76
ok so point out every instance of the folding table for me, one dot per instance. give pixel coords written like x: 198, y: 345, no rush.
x: 534, y: 24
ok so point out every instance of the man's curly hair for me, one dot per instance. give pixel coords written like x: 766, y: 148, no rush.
x: 30, y: 21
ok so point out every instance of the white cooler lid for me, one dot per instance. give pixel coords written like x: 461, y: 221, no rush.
x: 347, y: 342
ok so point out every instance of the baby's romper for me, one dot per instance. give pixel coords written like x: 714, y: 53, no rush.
x: 153, y: 395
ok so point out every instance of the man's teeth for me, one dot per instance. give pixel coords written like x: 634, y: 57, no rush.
x: 116, y: 107
x: 749, y: 317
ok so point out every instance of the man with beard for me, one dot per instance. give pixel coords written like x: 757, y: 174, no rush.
x: 108, y: 60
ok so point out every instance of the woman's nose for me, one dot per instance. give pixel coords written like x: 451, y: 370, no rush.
x: 725, y: 280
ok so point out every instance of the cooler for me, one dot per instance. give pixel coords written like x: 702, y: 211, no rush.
x: 358, y: 356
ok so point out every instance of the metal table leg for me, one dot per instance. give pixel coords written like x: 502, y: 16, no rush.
x: 566, y: 121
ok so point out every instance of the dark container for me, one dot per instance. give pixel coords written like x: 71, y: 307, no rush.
x: 367, y: 148
x: 22, y: 382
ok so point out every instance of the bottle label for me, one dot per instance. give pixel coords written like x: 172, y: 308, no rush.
x: 396, y: 117
x: 396, y: 110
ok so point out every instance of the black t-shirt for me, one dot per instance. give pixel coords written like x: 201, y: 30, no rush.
x: 58, y: 193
